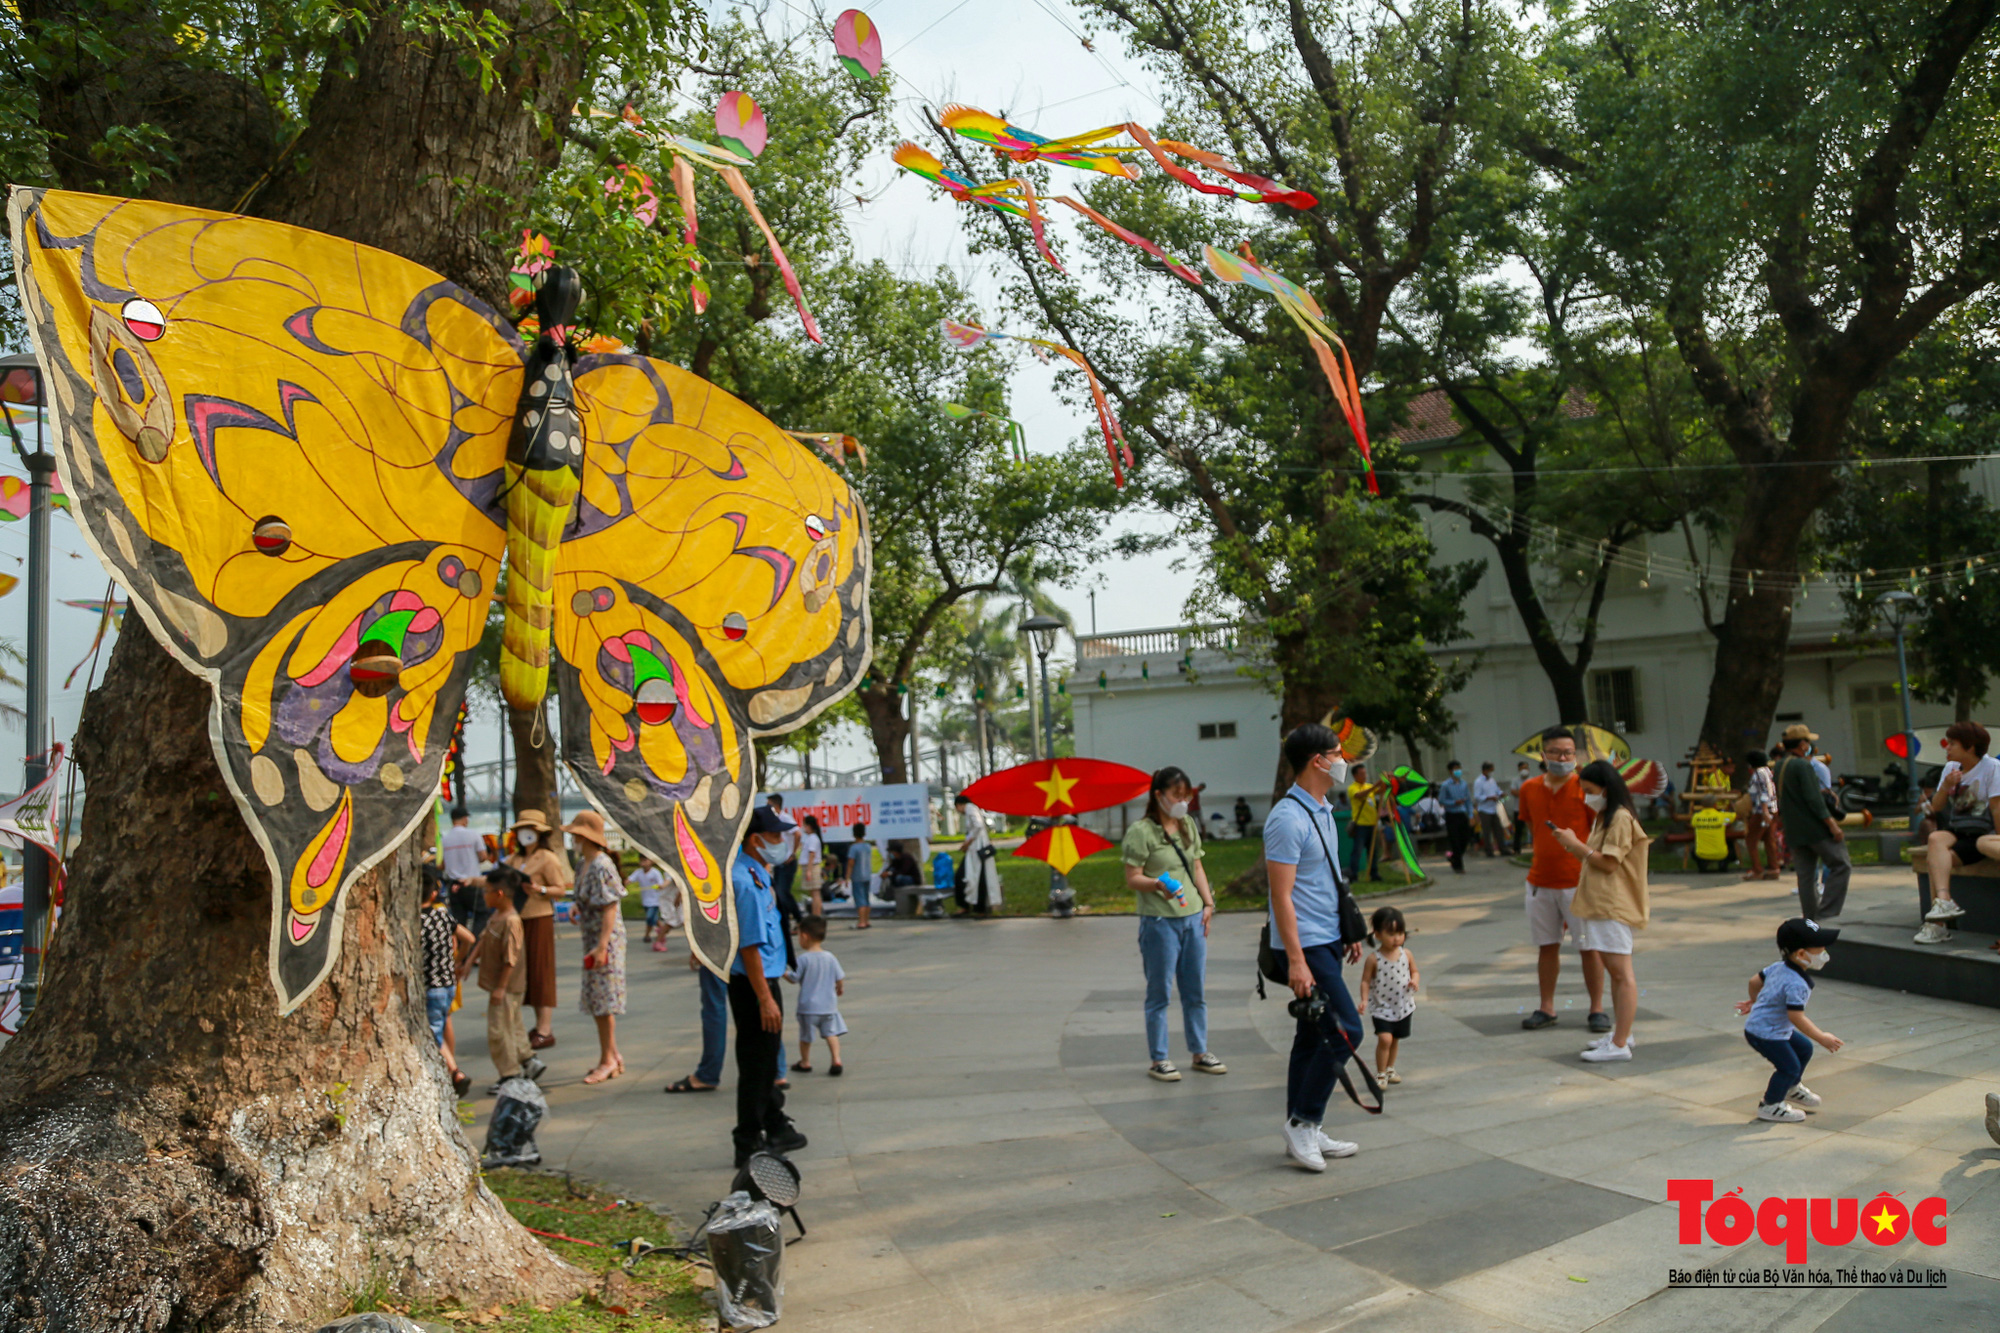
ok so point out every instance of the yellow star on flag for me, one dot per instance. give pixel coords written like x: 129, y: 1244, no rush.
x: 1056, y: 788
x: 1885, y: 1222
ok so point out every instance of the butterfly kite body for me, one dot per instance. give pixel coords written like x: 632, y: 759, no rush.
x: 308, y: 463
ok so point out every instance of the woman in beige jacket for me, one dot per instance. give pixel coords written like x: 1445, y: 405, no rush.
x: 1610, y: 900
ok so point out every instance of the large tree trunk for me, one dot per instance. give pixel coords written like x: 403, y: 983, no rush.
x: 534, y: 762
x: 173, y: 1153
x: 888, y: 728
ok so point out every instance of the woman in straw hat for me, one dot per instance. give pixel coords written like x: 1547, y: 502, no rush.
x: 598, y: 891
x: 538, y: 857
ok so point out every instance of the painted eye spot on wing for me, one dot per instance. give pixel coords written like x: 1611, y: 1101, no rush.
x: 588, y: 601
x: 815, y: 527
x: 655, y: 701
x: 734, y: 626
x: 272, y: 535
x: 144, y: 319
x: 456, y: 574
x: 374, y: 670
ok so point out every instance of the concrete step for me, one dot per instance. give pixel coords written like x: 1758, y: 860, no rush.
x: 1884, y: 953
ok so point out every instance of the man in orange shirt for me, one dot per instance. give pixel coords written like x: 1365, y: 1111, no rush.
x: 1549, y: 802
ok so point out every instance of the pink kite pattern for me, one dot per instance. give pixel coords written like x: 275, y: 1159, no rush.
x: 739, y: 124
x: 858, y: 43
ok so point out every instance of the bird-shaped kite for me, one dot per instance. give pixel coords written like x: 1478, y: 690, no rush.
x: 971, y: 335
x: 1298, y: 303
x: 1026, y: 146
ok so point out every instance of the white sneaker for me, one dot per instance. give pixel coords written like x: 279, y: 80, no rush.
x: 1943, y: 909
x: 1954, y: 908
x: 1781, y: 1113
x: 1934, y: 932
x: 1332, y: 1147
x: 1804, y: 1096
x: 1302, y: 1144
x: 1600, y: 1054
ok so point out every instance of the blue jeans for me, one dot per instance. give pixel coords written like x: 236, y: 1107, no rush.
x: 1318, y: 1051
x: 437, y: 1006
x: 1174, y: 951
x: 714, y: 1027
x: 1790, y: 1057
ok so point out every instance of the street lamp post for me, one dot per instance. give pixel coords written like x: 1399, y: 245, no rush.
x: 1045, y: 629
x: 1895, y: 609
x: 1062, y: 901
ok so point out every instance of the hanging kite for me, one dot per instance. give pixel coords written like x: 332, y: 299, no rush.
x: 739, y: 123
x: 724, y: 163
x: 1089, y: 152
x: 858, y: 43
x: 1063, y: 846
x: 1017, y: 434
x: 307, y: 463
x: 833, y: 444
x: 14, y: 498
x: 971, y: 335
x: 1298, y: 303
x: 1644, y: 777
x: 110, y: 614
x: 1016, y: 195
x: 1049, y: 787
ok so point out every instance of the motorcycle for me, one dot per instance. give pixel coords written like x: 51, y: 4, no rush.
x: 1855, y: 793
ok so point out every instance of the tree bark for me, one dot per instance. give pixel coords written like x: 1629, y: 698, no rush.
x: 888, y: 728
x: 534, y: 762
x: 173, y: 1153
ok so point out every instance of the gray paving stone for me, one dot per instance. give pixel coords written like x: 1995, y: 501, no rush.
x: 1440, y: 1249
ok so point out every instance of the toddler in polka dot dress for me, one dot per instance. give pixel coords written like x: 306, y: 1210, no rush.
x: 1389, y: 989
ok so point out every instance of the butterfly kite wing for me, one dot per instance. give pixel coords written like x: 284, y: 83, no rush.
x: 285, y: 448
x: 713, y: 589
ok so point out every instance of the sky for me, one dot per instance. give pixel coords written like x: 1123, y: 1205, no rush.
x: 1025, y: 59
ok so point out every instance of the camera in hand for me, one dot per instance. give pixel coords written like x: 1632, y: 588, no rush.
x: 1311, y: 1008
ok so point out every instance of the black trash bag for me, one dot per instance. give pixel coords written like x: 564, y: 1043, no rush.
x: 747, y: 1251
x: 510, y: 1135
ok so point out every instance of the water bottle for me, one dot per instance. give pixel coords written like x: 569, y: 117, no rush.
x: 1175, y: 890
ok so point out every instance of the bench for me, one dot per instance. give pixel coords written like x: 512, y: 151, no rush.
x: 1976, y: 888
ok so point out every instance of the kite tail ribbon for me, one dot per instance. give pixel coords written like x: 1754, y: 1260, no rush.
x: 741, y: 189
x: 1268, y: 191
x: 1133, y: 238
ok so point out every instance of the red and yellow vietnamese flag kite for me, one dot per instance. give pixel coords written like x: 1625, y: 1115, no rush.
x: 1063, y: 846
x: 1051, y: 787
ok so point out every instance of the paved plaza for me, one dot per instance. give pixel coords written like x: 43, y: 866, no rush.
x: 996, y: 1158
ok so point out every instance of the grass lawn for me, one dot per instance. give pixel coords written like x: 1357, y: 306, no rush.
x: 661, y: 1295
x: 1099, y: 881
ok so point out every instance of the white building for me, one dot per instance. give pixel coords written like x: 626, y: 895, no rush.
x: 1183, y: 695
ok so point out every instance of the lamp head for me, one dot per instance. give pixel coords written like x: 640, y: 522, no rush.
x: 1045, y: 629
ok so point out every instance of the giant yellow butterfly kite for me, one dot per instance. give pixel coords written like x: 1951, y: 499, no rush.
x: 305, y: 459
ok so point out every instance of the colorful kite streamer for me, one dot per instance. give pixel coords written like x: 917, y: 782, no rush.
x: 1298, y: 303
x: 1026, y: 146
x: 1017, y: 434
x: 971, y: 335
x: 833, y: 444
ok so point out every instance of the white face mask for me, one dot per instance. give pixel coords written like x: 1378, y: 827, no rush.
x: 1336, y: 771
x: 1561, y: 768
x: 526, y: 837
x: 1815, y: 961
x: 1177, y: 809
x: 1595, y: 802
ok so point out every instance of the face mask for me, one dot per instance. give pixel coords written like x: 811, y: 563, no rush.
x: 1337, y: 772
x: 1177, y: 809
x: 525, y: 837
x: 1561, y: 768
x: 1456, y: 773
x: 1815, y: 961
x: 1594, y: 802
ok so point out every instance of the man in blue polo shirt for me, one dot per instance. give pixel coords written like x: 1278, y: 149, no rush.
x: 1305, y: 923
x: 755, y: 1001
x: 1456, y: 798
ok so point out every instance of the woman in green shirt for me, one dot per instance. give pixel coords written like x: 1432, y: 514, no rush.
x: 1163, y: 866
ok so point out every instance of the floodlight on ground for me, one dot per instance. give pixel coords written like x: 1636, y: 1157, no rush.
x: 767, y: 1175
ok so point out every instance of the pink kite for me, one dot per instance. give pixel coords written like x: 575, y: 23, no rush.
x: 739, y: 124
x: 858, y: 42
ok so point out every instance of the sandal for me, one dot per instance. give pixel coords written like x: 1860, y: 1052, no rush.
x: 601, y: 1074
x: 689, y: 1085
x: 802, y: 1068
